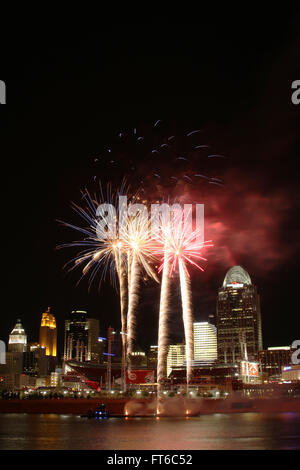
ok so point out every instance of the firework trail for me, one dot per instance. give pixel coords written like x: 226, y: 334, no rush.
x: 129, y: 266
x: 122, y: 249
x: 132, y: 304
x: 123, y: 305
x: 187, y: 313
x: 103, y: 252
x: 180, y: 247
x: 162, y: 326
x: 139, y: 248
x: 123, y: 286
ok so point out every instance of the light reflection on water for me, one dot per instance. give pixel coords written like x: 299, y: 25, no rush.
x: 218, y: 431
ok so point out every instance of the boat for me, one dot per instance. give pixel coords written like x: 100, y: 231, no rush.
x: 98, y: 413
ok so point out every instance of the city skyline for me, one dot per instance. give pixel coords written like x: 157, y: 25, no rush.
x: 208, y: 319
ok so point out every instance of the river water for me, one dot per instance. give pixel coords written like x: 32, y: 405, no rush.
x: 216, y: 431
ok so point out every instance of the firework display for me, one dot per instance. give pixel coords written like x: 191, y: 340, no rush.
x: 139, y: 153
x: 121, y: 242
x: 180, y: 246
x: 124, y: 250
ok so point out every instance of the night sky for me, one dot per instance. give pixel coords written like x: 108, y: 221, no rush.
x: 69, y: 95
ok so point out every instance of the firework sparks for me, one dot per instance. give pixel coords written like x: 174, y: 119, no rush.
x: 103, y: 252
x: 181, y: 247
x: 187, y: 314
x: 125, y: 254
x: 124, y: 250
x: 139, y: 247
x: 123, y: 307
x: 162, y: 326
x: 155, y: 143
x: 132, y: 304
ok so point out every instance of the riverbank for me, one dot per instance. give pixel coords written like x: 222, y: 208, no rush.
x: 147, y: 406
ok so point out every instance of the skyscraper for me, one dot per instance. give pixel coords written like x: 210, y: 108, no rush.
x: 48, y: 335
x: 35, y: 361
x: 274, y: 359
x: 239, y: 330
x: 76, y: 337
x: 81, y: 338
x: 138, y: 358
x: 17, y: 345
x: 17, y: 341
x: 93, y: 346
x: 152, y: 357
x: 205, y: 343
x: 176, y: 356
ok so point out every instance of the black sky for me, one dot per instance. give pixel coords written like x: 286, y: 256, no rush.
x: 69, y: 93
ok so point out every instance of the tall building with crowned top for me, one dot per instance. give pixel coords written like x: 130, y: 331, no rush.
x: 48, y: 335
x: 239, y: 329
x: 17, y: 341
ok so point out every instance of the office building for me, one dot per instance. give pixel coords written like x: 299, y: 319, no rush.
x: 35, y: 361
x: 239, y: 329
x: 93, y: 347
x: 273, y: 359
x: 11, y: 371
x: 205, y: 343
x: 48, y: 335
x: 76, y: 337
x: 81, y: 338
x: 17, y: 339
x: 176, y: 356
x: 152, y: 357
x: 138, y: 358
x: 291, y: 373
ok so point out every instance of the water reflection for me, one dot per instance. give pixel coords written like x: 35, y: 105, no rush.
x: 218, y: 431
